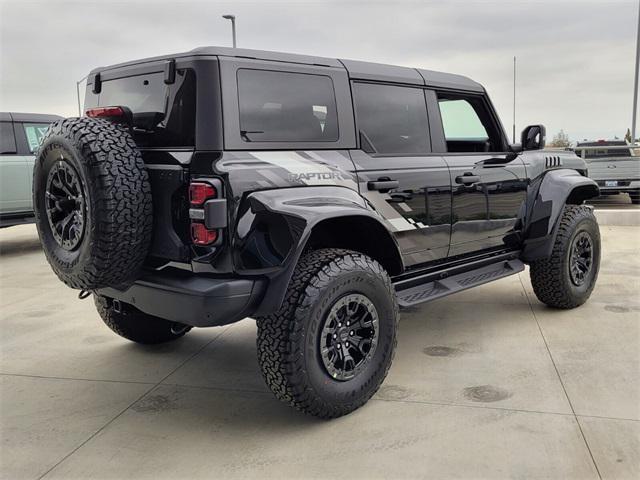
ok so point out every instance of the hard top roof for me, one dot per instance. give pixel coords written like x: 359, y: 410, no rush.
x: 356, y: 69
x: 28, y: 117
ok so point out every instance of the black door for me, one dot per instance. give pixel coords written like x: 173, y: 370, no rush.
x: 488, y: 185
x: 406, y: 183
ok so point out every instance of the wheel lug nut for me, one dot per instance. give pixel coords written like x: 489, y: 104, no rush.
x: 348, y: 324
x: 339, y: 324
x: 351, y: 333
x: 347, y: 344
x: 339, y: 345
x: 335, y: 336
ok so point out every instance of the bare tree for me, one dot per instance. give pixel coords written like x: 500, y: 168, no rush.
x: 560, y: 140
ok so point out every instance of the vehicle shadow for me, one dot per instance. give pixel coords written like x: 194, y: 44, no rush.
x: 25, y: 242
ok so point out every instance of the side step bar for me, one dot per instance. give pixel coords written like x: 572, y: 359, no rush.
x: 431, y: 290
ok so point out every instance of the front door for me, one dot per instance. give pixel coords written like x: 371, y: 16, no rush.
x: 400, y: 177
x: 488, y: 184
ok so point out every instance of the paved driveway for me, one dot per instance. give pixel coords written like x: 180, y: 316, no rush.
x: 486, y: 384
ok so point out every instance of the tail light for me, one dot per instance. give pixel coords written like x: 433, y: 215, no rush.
x: 201, y: 193
x: 200, y: 235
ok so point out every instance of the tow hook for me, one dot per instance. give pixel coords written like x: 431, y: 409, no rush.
x: 117, y: 306
x: 84, y: 294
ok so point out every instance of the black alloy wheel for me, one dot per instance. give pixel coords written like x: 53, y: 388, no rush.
x: 581, y: 258
x: 65, y: 205
x: 349, y: 336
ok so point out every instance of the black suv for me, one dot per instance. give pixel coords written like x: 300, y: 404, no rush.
x: 313, y: 194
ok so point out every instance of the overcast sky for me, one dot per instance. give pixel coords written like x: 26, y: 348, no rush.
x: 575, y: 58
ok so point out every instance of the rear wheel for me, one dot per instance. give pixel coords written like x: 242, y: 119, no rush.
x: 566, y: 279
x: 329, y: 347
x: 134, y: 325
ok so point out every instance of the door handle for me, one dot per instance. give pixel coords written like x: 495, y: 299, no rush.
x: 467, y: 178
x: 383, y: 184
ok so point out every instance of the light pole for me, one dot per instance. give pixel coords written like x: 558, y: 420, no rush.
x: 635, y: 84
x: 233, y: 27
x: 78, y: 93
x: 514, y: 99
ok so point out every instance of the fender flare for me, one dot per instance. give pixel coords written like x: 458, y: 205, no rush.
x: 547, y: 196
x: 273, y: 228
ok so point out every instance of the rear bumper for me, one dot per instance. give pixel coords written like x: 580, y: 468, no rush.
x: 620, y: 186
x: 195, y: 300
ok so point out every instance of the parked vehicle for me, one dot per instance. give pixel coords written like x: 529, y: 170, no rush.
x: 313, y: 194
x: 614, y: 165
x: 20, y: 136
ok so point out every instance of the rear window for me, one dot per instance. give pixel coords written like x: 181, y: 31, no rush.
x: 286, y: 107
x: 163, y: 115
x: 7, y: 140
x: 604, y: 153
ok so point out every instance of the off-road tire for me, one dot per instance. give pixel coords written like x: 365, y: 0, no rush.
x: 288, y: 340
x: 551, y: 278
x: 137, y: 326
x: 118, y: 206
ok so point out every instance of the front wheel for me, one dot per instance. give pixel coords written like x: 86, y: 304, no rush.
x: 329, y: 347
x: 566, y: 279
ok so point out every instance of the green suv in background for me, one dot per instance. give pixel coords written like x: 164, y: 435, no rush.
x: 20, y: 136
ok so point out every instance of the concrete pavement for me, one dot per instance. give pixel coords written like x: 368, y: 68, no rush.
x: 487, y: 383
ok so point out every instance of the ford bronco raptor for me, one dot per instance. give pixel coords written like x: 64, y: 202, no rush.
x: 315, y: 195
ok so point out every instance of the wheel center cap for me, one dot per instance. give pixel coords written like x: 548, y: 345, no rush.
x: 343, y: 334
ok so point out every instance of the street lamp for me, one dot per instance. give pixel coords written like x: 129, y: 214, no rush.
x: 635, y: 84
x: 233, y: 27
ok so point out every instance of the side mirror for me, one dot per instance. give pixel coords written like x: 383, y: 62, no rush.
x: 534, y: 137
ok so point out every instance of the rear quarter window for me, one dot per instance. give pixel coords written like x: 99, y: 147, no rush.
x: 7, y: 139
x: 286, y: 107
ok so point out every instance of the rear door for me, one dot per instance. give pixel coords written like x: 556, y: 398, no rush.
x: 397, y: 171
x: 488, y: 183
x: 15, y: 181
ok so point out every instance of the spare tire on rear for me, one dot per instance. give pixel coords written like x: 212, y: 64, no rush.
x: 92, y: 201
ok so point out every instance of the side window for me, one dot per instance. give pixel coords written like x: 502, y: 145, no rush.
x: 286, y: 107
x: 392, y: 119
x: 34, y: 133
x: 467, y: 124
x: 7, y: 140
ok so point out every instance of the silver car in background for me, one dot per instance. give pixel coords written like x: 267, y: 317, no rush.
x: 614, y: 165
x: 20, y: 136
